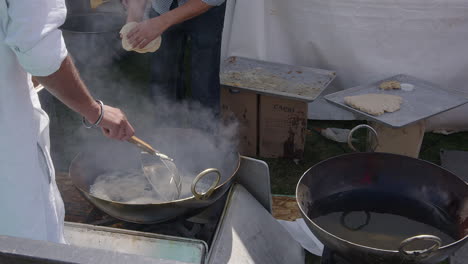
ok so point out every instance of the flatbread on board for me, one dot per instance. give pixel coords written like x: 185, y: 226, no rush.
x: 151, y: 47
x: 374, y: 104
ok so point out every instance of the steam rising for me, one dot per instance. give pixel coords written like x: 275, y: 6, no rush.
x: 186, y: 131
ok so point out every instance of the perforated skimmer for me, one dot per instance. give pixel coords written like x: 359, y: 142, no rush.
x: 159, y: 170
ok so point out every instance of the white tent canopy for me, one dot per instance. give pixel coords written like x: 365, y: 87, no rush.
x: 362, y: 40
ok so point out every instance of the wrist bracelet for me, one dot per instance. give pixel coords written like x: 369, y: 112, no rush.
x: 101, y: 115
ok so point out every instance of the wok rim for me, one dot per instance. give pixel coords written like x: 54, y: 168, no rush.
x: 356, y: 244
x: 147, y: 204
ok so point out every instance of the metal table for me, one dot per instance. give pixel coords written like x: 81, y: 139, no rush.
x: 424, y: 101
x: 288, y: 81
x: 402, y: 132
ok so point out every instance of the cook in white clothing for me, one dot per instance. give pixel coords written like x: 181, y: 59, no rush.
x: 32, y: 44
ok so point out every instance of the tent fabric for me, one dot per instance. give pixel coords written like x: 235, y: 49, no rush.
x: 362, y: 40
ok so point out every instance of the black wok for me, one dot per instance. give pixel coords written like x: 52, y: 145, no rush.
x: 441, y: 198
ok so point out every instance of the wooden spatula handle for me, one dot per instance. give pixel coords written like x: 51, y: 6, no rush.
x: 142, y: 145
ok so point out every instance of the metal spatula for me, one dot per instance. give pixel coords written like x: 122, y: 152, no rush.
x: 159, y: 170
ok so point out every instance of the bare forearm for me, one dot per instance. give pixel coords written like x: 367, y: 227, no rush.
x: 135, y: 10
x: 66, y: 85
x: 149, y: 30
x: 185, y: 12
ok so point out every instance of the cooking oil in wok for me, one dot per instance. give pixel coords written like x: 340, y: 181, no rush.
x: 381, y: 220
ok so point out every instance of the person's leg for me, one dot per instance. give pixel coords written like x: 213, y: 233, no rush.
x: 205, y: 34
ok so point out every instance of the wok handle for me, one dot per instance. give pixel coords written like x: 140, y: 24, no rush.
x: 207, y: 194
x: 350, y: 136
x: 420, y: 253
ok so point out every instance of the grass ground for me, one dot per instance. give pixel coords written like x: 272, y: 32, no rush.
x: 285, y: 173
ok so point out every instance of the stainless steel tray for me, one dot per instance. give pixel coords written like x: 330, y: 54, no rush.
x: 155, y: 246
x: 295, y: 82
x: 424, y: 101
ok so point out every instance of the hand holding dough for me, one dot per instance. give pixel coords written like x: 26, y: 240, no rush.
x: 374, y: 104
x: 151, y: 47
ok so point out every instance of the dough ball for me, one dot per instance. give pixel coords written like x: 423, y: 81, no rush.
x: 390, y: 85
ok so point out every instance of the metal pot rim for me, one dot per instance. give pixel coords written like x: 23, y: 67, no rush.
x: 352, y: 243
x: 91, y: 14
x: 162, y: 203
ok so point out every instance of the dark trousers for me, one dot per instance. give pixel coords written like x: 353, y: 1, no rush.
x: 169, y: 71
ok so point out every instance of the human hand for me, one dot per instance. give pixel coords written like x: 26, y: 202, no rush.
x: 147, y: 31
x: 115, y: 125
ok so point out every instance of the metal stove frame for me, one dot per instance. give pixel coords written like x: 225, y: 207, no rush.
x: 253, y: 175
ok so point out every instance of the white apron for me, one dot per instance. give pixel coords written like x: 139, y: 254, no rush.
x: 30, y: 43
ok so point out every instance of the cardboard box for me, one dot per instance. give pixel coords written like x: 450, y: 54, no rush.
x: 405, y: 141
x: 243, y: 106
x: 282, y: 127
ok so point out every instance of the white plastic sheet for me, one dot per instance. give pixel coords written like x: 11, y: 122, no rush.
x: 302, y: 234
x: 363, y: 40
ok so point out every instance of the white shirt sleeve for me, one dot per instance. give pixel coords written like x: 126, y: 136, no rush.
x: 32, y: 33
